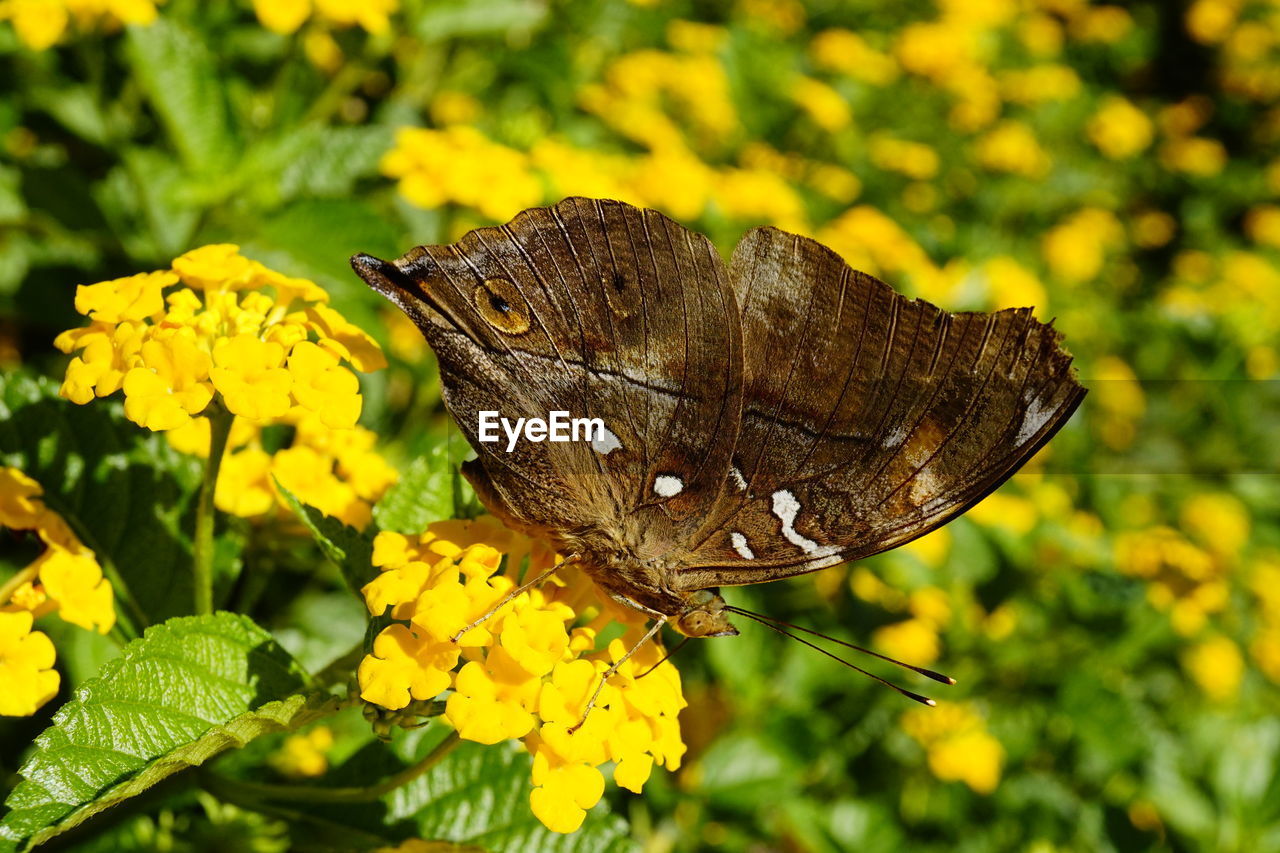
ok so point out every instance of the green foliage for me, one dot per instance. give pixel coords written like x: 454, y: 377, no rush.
x: 177, y: 72
x: 347, y: 548
x: 431, y: 488
x: 476, y: 796
x: 186, y: 691
x: 1071, y: 625
x: 127, y: 495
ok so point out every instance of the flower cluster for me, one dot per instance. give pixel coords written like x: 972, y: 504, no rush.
x: 220, y: 335
x: 65, y: 578
x: 957, y: 744
x: 304, y: 755
x: 1265, y: 645
x: 286, y: 16
x: 525, y: 672
x: 40, y: 24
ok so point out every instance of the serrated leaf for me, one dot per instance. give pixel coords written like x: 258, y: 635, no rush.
x: 348, y: 548
x: 423, y: 494
x: 122, y: 488
x: 177, y: 72
x: 477, y: 795
x: 182, y: 693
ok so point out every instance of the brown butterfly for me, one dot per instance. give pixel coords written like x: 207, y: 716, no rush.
x: 764, y: 419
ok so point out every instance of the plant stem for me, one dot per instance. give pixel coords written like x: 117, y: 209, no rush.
x: 202, y: 551
x: 312, y: 794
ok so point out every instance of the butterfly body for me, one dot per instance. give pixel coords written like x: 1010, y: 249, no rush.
x: 761, y: 419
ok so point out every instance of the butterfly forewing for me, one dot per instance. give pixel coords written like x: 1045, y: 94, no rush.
x: 605, y: 311
x: 868, y: 418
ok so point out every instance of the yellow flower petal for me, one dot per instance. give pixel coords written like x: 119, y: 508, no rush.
x: 250, y: 376
x: 135, y: 297
x: 20, y: 504
x: 26, y: 666
x: 75, y: 582
x: 323, y: 386
x: 403, y: 666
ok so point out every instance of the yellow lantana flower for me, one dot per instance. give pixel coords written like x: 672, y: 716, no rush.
x: 75, y: 583
x: 321, y: 385
x: 40, y: 24
x: 221, y: 332
x: 302, y: 756
x: 65, y: 578
x: 406, y: 664
x: 957, y: 744
x: 527, y: 674
x: 250, y: 376
x: 286, y: 17
x: 26, y: 666
x: 1119, y: 129
x: 170, y: 384
x: 493, y: 701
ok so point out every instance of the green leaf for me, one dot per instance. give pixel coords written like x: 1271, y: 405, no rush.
x: 312, y: 161
x: 181, y: 694
x: 423, y: 494
x: 316, y: 238
x: 122, y: 488
x: 477, y: 795
x: 446, y: 20
x: 348, y: 548
x: 177, y: 72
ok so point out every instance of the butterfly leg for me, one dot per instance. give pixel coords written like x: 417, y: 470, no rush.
x: 511, y: 596
x: 608, y: 673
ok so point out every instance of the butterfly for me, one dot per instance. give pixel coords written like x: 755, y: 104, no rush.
x: 762, y: 419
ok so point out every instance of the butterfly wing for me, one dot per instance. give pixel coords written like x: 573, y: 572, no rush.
x: 602, y: 310
x: 868, y: 418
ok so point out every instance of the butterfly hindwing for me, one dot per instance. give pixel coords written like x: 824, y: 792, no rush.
x: 868, y: 418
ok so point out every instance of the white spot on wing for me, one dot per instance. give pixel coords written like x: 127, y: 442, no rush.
x: 667, y: 486
x: 606, y: 443
x: 895, y: 438
x: 1036, y: 416
x: 786, y: 508
x: 738, y: 480
x: 740, y: 545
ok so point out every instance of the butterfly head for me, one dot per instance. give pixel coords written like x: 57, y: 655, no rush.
x: 704, y: 616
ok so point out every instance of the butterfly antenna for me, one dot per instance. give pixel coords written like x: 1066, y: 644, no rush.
x: 923, y: 700
x: 668, y: 656
x: 927, y: 673
x: 515, y: 593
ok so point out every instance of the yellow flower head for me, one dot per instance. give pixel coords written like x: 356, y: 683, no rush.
x: 229, y: 328
x: 1119, y: 129
x: 302, y: 756
x: 525, y: 673
x: 957, y: 744
x: 1217, y: 666
x: 220, y: 331
x: 40, y: 24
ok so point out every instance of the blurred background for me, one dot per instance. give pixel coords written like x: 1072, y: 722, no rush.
x: 1112, y: 615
